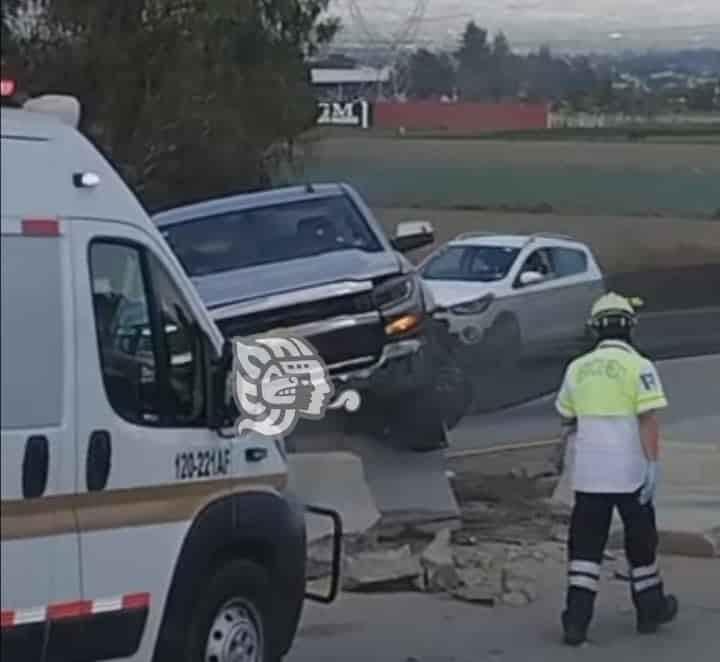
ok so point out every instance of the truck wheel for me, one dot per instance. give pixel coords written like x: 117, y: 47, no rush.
x: 230, y: 622
x: 453, y: 391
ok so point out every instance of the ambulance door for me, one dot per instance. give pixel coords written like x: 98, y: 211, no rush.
x: 40, y: 548
x: 150, y: 463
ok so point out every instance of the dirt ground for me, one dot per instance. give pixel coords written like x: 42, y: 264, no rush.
x: 652, y: 156
x: 571, y: 176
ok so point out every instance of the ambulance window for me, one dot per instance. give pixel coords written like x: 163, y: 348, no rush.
x: 32, y: 337
x: 182, y: 356
x: 125, y: 337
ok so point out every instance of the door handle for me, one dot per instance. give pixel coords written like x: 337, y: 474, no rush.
x: 256, y: 454
x: 99, y: 456
x: 35, y: 467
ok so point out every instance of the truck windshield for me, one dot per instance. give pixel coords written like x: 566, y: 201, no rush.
x: 471, y: 263
x: 263, y: 235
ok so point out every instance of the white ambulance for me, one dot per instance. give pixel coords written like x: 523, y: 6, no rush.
x: 133, y: 527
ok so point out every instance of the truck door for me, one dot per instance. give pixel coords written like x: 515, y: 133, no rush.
x: 151, y: 462
x: 40, y: 547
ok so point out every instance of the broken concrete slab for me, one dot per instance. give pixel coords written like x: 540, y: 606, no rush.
x: 439, y: 563
x: 482, y: 595
x: 407, y: 487
x: 439, y: 552
x: 515, y: 599
x: 384, y: 570
x: 333, y: 480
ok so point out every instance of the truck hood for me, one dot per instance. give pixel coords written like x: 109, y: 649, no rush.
x: 448, y: 293
x: 264, y: 280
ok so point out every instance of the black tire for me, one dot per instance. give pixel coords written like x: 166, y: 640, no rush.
x: 454, y: 392
x: 245, y: 584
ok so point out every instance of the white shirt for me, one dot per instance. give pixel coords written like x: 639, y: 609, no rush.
x: 608, y: 455
x: 605, y: 391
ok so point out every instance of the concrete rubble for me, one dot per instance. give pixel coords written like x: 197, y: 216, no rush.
x: 384, y: 570
x: 484, y: 572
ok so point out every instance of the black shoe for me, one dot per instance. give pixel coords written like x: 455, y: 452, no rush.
x: 574, y: 635
x: 668, y: 615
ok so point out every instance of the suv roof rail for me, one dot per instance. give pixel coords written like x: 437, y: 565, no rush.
x: 473, y: 235
x: 549, y: 235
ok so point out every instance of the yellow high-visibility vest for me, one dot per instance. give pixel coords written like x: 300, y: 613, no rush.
x: 612, y: 380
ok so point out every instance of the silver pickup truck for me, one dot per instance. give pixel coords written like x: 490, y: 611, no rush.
x: 313, y: 261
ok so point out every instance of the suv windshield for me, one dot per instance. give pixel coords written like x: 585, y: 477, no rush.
x: 251, y: 237
x: 472, y: 263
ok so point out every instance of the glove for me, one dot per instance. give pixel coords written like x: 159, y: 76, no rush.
x: 649, y: 487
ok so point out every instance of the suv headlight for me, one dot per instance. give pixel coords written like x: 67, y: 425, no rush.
x: 475, y: 307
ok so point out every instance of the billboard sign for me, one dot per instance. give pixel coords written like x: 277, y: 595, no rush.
x: 344, y: 113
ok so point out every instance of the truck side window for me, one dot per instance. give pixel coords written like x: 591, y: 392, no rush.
x: 127, y: 345
x: 182, y: 344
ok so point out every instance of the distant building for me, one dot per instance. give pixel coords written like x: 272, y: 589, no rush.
x: 343, y: 84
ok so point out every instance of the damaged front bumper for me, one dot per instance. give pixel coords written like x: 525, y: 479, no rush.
x: 401, y: 368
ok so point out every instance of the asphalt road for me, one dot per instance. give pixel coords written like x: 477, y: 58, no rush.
x: 692, y: 386
x: 659, y: 336
x: 422, y: 628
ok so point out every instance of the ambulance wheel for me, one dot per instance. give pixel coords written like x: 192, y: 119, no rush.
x: 230, y: 621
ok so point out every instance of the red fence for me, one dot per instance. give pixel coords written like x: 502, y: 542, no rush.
x: 471, y: 117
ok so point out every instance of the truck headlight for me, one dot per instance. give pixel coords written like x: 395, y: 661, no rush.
x: 475, y: 307
x: 394, y: 291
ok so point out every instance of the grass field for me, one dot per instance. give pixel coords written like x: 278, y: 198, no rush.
x: 610, y: 178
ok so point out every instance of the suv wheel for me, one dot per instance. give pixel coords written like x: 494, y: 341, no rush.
x: 502, y: 346
x: 230, y: 622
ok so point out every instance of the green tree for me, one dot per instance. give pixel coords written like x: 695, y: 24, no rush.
x: 502, y: 74
x: 702, y: 98
x: 431, y: 75
x: 185, y: 96
x: 473, y: 56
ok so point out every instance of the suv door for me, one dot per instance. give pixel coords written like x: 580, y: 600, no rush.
x: 149, y: 459
x: 576, y: 294
x: 40, y: 556
x: 537, y: 306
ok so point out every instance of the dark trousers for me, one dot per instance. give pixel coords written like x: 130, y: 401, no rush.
x: 589, y: 531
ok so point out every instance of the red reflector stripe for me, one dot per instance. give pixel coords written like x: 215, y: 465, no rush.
x: 136, y: 601
x: 69, y: 610
x: 76, y: 609
x: 40, y: 227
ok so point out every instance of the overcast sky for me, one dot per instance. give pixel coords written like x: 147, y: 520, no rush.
x: 618, y: 23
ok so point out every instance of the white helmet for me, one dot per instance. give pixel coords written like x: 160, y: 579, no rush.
x: 613, y: 310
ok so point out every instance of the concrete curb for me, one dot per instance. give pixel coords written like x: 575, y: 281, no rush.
x: 337, y: 481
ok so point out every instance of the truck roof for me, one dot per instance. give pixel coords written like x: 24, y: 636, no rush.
x: 40, y: 157
x: 243, y: 201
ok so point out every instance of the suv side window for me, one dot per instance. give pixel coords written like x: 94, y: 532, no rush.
x: 569, y: 262
x: 541, y: 262
x: 150, y: 350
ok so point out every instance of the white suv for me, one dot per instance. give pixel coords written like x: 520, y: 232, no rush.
x: 515, y: 295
